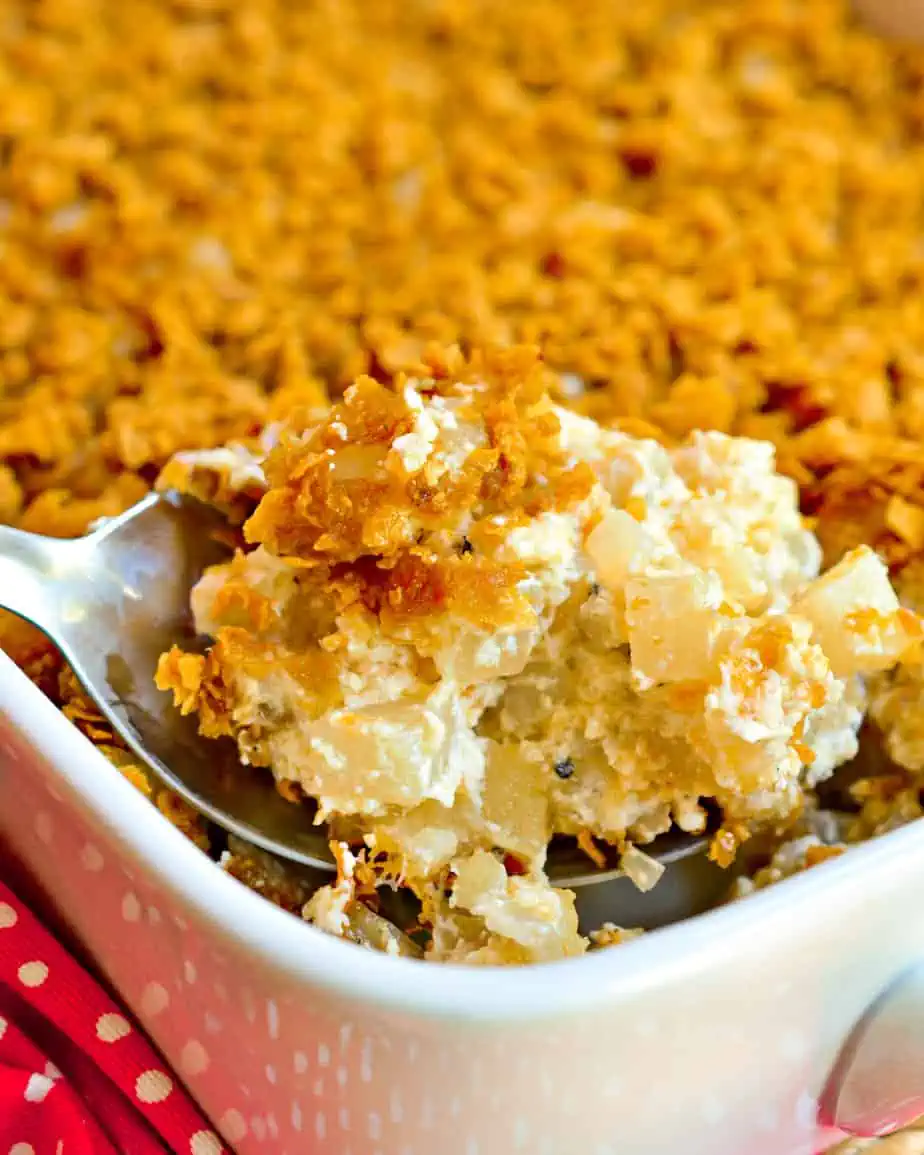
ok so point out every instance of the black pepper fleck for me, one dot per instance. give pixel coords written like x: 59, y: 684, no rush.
x: 564, y: 767
x: 465, y: 546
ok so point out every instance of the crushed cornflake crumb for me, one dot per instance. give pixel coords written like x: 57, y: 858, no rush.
x: 611, y: 935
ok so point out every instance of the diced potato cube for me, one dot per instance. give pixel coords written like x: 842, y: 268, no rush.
x: 425, y: 838
x: 523, y: 909
x: 362, y: 761
x: 480, y: 878
x: 516, y: 802
x: 613, y: 545
x: 856, y: 617
x: 674, y: 624
x: 482, y: 657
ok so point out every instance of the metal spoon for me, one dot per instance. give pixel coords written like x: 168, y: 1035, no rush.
x: 113, y: 602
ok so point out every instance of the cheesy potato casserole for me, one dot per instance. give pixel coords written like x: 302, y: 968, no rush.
x: 464, y: 620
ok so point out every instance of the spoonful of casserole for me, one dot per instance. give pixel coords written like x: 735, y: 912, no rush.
x: 486, y: 649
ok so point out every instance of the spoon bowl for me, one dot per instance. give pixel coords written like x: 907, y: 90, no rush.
x: 114, y: 601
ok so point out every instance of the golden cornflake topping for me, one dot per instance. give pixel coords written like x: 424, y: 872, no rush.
x: 398, y: 491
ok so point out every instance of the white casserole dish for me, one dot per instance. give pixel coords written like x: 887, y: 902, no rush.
x: 713, y: 1037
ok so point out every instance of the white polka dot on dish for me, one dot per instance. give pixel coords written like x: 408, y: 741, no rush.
x: 233, y: 1125
x: 32, y: 974
x: 91, y: 859
x: 22, y: 1149
x: 111, y: 1027
x: 153, y: 1086
x: 154, y: 999
x: 194, y: 1058
x: 131, y: 907
x: 272, y: 1019
x: 8, y: 916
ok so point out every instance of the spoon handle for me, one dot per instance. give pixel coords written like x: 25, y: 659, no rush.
x: 34, y: 577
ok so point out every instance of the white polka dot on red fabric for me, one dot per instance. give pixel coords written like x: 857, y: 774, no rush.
x: 8, y: 916
x: 189, y: 971
x: 22, y: 1149
x: 3, y: 1025
x: 131, y: 907
x: 153, y: 1086
x: 194, y: 1058
x: 52, y: 1071
x: 250, y: 1007
x: 233, y: 1125
x: 32, y: 974
x: 205, y: 1143
x: 112, y: 1027
x: 91, y: 859
x: 37, y: 1088
x: 272, y: 1019
x: 154, y: 999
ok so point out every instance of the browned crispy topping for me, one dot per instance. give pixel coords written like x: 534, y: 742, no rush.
x: 338, y: 498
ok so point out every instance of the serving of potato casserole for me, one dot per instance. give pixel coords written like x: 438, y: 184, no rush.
x: 464, y: 620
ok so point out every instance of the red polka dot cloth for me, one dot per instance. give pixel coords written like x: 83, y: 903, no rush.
x: 77, y: 1077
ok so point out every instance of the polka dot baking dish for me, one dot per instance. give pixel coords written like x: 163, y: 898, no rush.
x: 771, y: 1027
